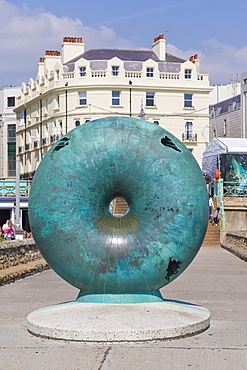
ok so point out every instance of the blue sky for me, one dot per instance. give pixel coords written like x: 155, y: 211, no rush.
x: 215, y: 29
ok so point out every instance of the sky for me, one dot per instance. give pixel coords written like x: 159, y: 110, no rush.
x: 214, y: 29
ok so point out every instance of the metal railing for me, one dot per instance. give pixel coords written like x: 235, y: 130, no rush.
x: 8, y: 188
x: 234, y: 189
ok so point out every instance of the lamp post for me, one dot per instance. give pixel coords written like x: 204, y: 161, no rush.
x: 130, y: 83
x: 66, y: 109
x: 2, y: 148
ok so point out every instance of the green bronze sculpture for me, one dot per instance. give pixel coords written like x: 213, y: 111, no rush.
x: 118, y: 259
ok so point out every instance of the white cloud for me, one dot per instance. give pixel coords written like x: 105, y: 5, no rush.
x: 218, y: 60
x: 26, y: 34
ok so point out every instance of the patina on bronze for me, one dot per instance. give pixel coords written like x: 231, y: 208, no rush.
x: 118, y: 259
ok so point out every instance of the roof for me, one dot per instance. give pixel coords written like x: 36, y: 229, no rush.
x: 234, y: 145
x: 223, y: 105
x: 126, y: 55
x: 226, y: 145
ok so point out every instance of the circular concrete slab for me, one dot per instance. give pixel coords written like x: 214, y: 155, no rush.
x: 101, y: 322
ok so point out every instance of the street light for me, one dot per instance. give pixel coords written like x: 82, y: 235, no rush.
x: 130, y: 83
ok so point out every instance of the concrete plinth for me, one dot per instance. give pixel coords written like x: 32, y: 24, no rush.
x: 100, y: 322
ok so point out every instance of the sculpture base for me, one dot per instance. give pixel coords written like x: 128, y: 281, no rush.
x: 94, y: 322
x: 150, y: 296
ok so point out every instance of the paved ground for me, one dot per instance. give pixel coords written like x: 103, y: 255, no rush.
x: 216, y: 280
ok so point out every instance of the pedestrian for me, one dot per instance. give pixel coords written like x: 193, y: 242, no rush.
x: 211, y: 206
x: 9, y: 232
x: 216, y: 216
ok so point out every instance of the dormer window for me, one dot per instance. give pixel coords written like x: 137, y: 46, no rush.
x: 150, y: 72
x: 115, y: 70
x: 188, y: 74
x: 82, y: 71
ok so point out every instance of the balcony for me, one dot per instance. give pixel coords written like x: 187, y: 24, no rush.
x: 189, y: 137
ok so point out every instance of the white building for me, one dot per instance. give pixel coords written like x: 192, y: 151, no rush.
x: 228, y: 117
x: 224, y: 92
x: 8, y: 97
x: 75, y: 86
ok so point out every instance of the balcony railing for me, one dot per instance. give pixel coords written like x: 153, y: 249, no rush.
x: 169, y: 76
x: 27, y: 146
x: 189, y: 137
x: 133, y: 74
x: 68, y: 75
x: 98, y: 73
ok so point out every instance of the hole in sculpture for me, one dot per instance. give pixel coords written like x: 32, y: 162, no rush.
x: 118, y: 207
x: 166, y: 141
x: 172, y: 268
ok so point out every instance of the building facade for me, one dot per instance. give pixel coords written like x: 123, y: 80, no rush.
x: 77, y: 86
x: 8, y: 97
x: 228, y: 117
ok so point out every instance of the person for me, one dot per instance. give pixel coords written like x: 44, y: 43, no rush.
x: 211, y: 206
x: 216, y: 216
x: 5, y: 226
x: 9, y: 232
x: 209, y: 182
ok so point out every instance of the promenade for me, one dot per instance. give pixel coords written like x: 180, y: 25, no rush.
x: 216, y: 280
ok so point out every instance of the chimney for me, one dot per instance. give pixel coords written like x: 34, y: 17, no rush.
x: 51, y: 58
x: 41, y: 66
x: 159, y: 47
x: 194, y: 59
x: 71, y: 48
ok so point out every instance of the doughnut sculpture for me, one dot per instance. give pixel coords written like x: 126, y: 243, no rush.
x: 118, y: 259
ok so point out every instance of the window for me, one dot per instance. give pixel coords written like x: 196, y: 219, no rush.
x: 238, y: 104
x: 10, y: 101
x: 224, y: 132
x: 60, y: 128
x: 11, y: 165
x: 82, y: 71
x: 149, y: 99
x: 188, y: 131
x: 57, y: 102
x: 188, y: 101
x: 11, y: 133
x: 82, y: 98
x: 77, y: 122
x: 115, y: 70
x: 115, y: 97
x: 230, y: 107
x: 150, y: 72
x: 57, y: 74
x: 187, y: 74
x: 156, y: 122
